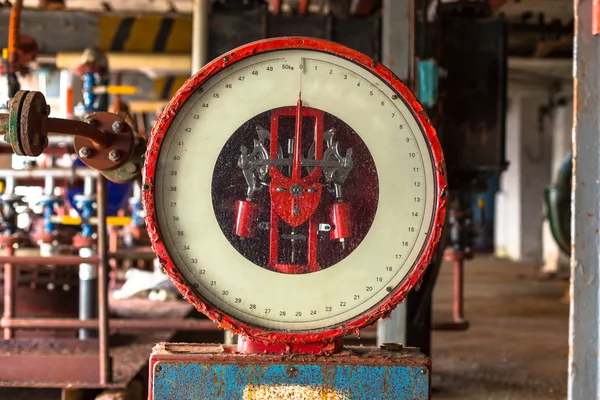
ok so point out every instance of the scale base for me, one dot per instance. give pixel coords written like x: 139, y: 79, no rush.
x: 213, y: 371
x: 246, y: 345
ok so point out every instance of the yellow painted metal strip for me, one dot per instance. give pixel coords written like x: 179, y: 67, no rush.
x: 143, y: 33
x: 166, y: 86
x: 159, y: 86
x: 118, y: 221
x: 124, y: 90
x: 180, y: 38
x: 112, y: 221
x: 107, y: 28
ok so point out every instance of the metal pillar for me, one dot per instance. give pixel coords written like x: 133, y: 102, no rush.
x: 102, y: 282
x: 396, y: 40
x: 199, y: 34
x: 397, y: 30
x: 88, y: 272
x: 584, y: 330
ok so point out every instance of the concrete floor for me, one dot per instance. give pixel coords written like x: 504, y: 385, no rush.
x: 516, y: 348
x: 517, y: 345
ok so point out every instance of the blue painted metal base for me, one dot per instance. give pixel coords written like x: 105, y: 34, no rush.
x: 210, y: 371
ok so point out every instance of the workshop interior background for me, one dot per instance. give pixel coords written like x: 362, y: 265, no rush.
x: 84, y: 301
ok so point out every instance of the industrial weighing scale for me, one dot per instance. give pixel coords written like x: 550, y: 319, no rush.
x: 294, y: 193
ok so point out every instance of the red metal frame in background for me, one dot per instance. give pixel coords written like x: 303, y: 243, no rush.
x: 82, y: 370
x: 438, y: 193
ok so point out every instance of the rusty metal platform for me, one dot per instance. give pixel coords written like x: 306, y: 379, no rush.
x: 72, y: 363
x: 210, y: 371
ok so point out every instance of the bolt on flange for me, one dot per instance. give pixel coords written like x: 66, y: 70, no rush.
x: 85, y: 152
x: 114, y: 155
x: 117, y: 126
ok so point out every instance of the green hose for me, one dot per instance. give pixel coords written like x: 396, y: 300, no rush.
x: 558, y: 203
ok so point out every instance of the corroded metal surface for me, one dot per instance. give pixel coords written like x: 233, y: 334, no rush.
x: 120, y: 145
x: 204, y: 371
x: 584, y: 332
x: 33, y: 118
x: 104, y: 141
x: 28, y: 368
x: 128, y: 351
x: 193, y: 296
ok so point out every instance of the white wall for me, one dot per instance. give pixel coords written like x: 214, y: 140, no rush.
x: 520, y: 203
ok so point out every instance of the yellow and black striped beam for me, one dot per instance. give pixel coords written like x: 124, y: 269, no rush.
x: 145, y: 33
x: 166, y: 86
x: 149, y: 34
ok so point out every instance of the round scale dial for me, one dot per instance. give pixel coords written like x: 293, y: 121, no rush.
x: 293, y: 187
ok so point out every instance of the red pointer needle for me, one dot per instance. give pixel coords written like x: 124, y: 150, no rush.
x: 297, y: 166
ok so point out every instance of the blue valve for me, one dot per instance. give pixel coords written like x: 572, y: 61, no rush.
x: 86, y: 206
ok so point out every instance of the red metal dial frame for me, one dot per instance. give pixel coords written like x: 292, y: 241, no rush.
x: 226, y: 321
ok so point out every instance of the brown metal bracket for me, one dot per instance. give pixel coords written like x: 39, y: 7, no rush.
x: 103, y: 141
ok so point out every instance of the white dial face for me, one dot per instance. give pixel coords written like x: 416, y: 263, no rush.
x: 253, y: 233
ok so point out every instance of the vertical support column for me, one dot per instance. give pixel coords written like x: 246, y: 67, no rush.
x: 554, y: 259
x: 535, y: 153
x: 584, y: 331
x: 10, y: 288
x: 199, y: 34
x: 103, y: 328
x: 396, y: 40
x: 88, y: 272
x: 519, y: 204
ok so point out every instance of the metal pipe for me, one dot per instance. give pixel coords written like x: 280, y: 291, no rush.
x: 458, y: 306
x: 43, y: 173
x: 159, y: 324
x: 88, y: 272
x: 88, y: 284
x: 103, y: 328
x: 10, y: 287
x: 199, y: 34
x: 88, y: 185
x: 13, y: 35
x: 396, y: 37
x: 48, y: 185
x: 66, y: 93
x: 113, y: 246
x: 9, y: 185
x: 173, y: 63
x: 76, y: 260
x: 42, y: 82
x: 80, y: 128
x: 42, y: 260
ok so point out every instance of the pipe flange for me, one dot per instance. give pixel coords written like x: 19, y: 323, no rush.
x: 113, y: 156
x: 132, y: 169
x: 14, y: 122
x: 27, y: 132
x: 33, y: 133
